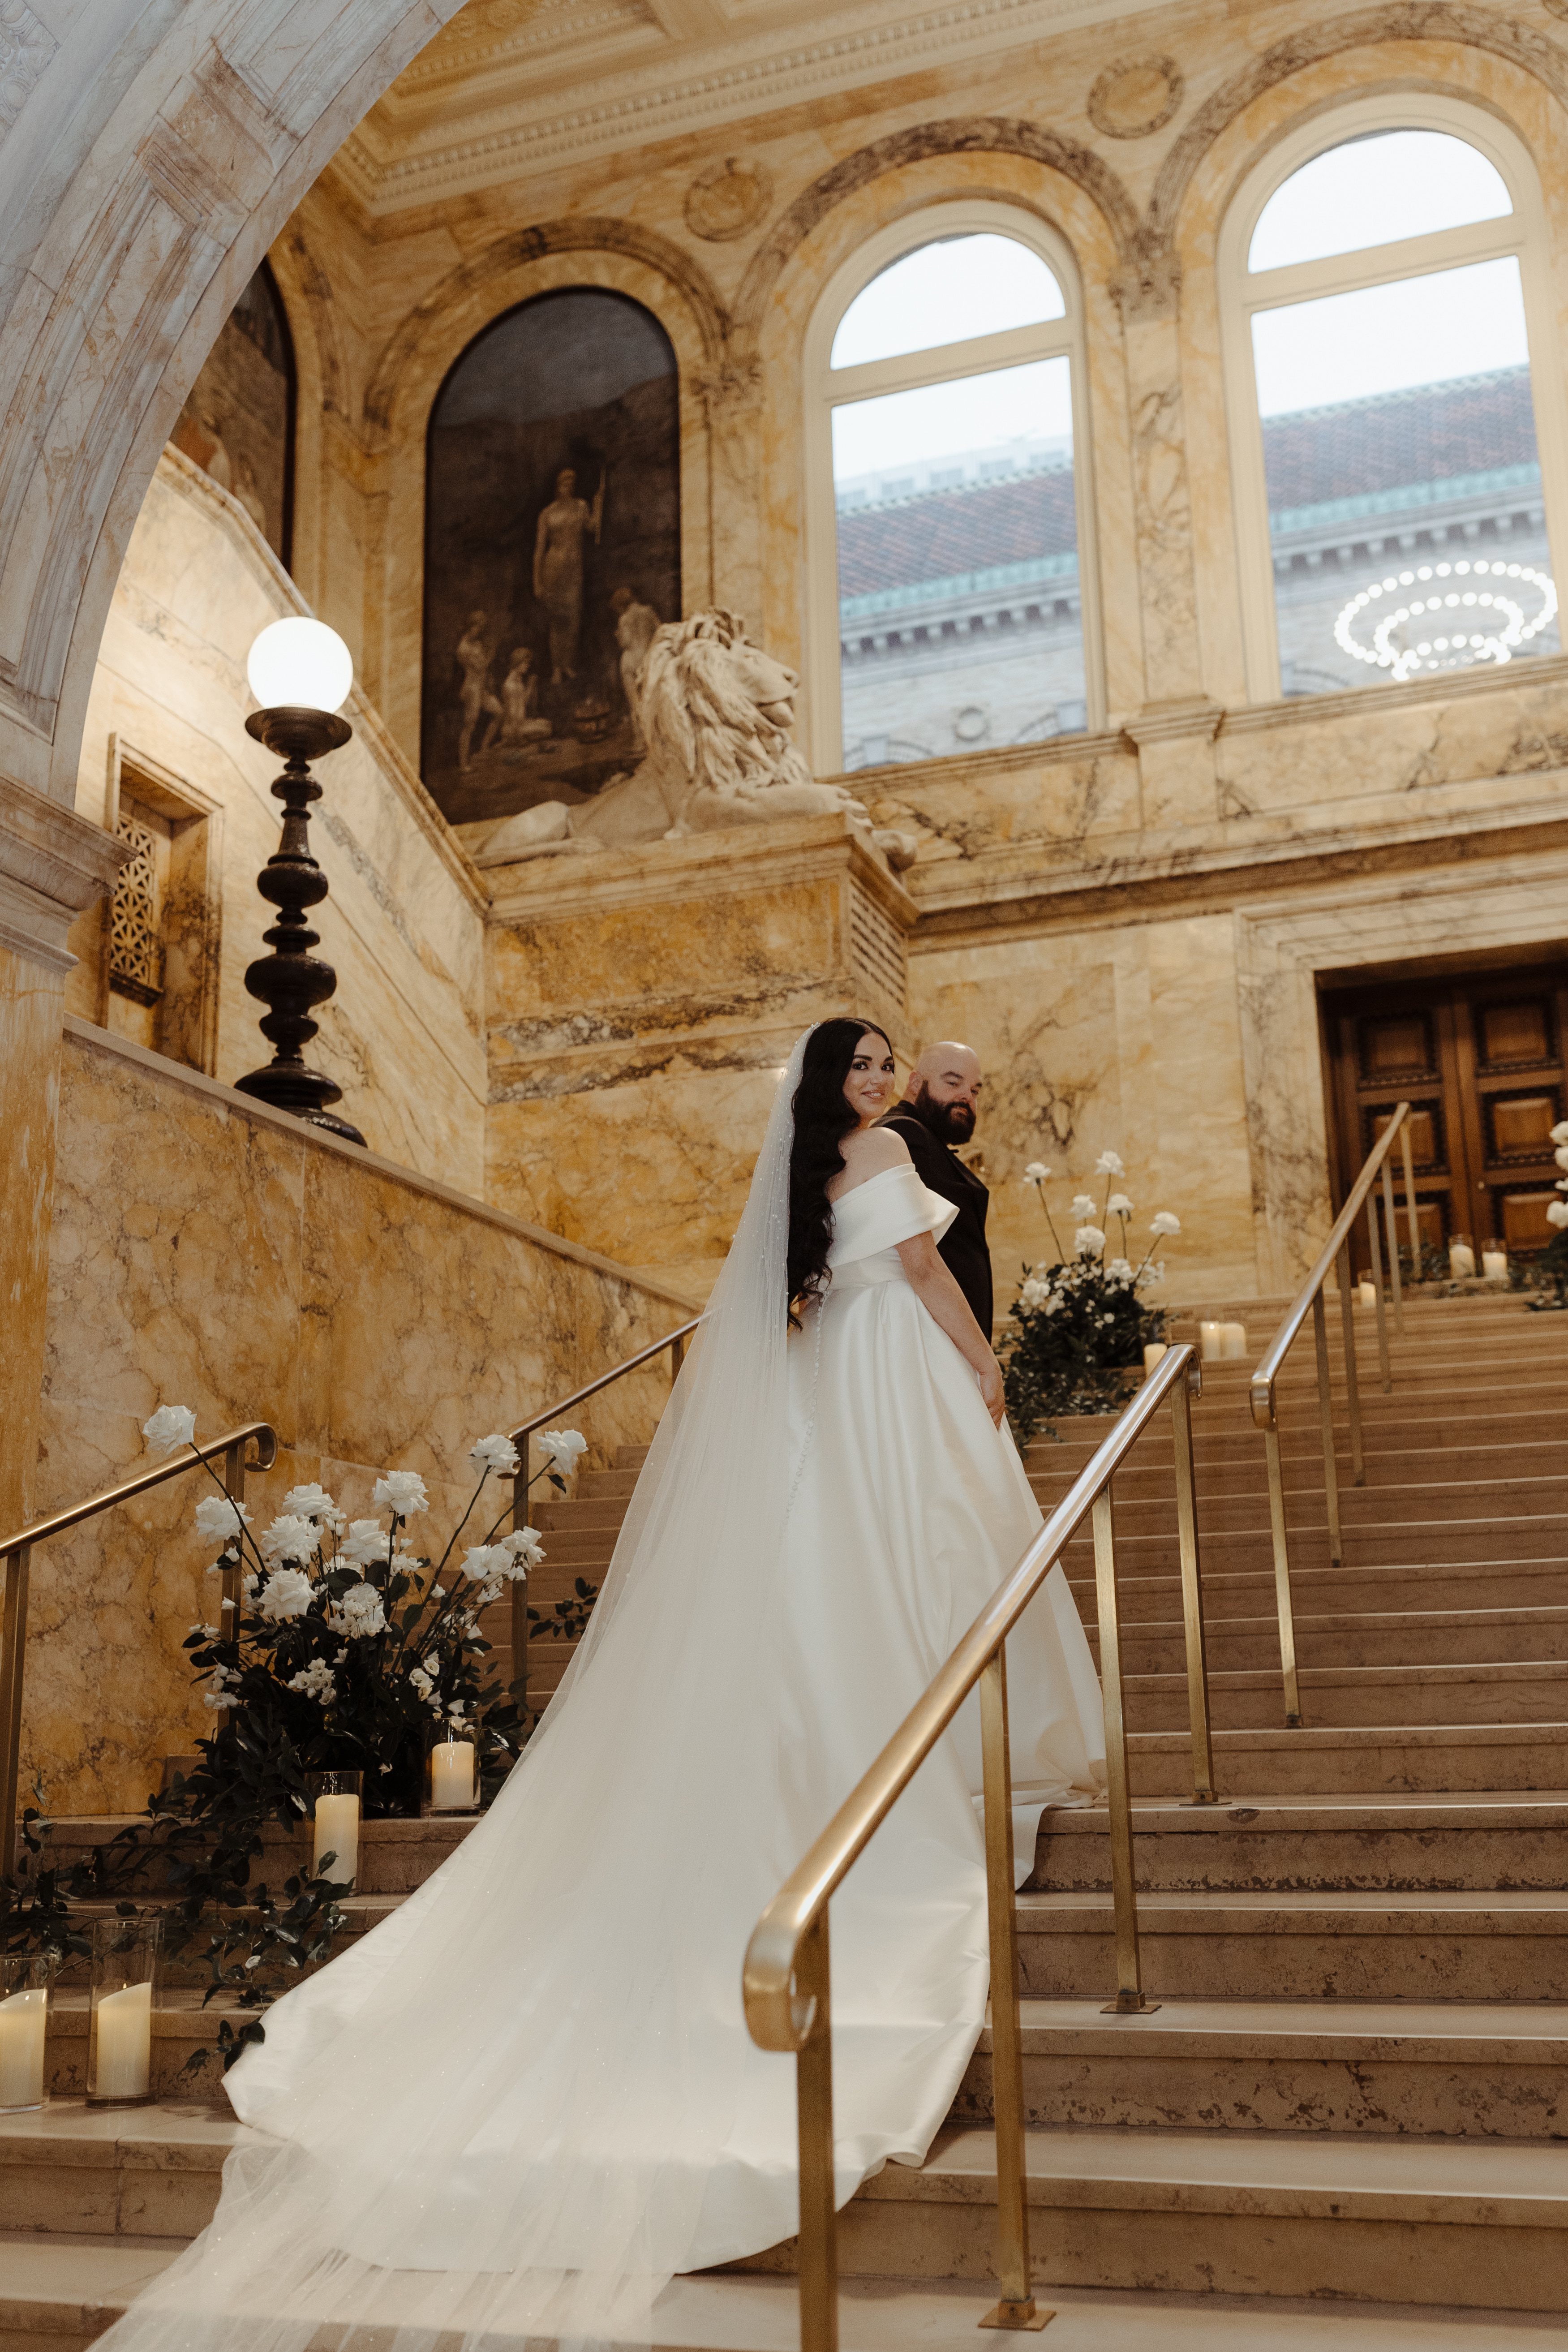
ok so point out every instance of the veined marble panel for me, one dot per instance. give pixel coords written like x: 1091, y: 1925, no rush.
x: 210, y: 1252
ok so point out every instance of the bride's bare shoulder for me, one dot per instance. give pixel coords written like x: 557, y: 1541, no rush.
x: 870, y: 1153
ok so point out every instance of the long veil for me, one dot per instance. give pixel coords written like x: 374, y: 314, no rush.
x: 496, y: 2119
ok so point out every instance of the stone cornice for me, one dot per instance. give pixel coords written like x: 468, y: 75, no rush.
x: 393, y: 160
x: 53, y: 863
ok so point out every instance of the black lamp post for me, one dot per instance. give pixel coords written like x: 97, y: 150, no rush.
x: 301, y: 669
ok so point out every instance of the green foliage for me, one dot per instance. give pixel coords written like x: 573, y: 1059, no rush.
x: 1071, y: 1332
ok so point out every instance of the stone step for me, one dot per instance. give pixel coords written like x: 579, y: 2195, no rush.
x: 1475, y: 1502
x: 1516, y: 1692
x: 148, y: 2172
x: 1480, y: 2225
x: 1384, y: 1946
x: 1486, y: 1843
x: 1413, y: 1637
x: 1351, y: 1590
x: 1382, y: 2068
x: 395, y: 1856
x: 1337, y: 1759
x: 1232, y: 1472
x: 1385, y: 1542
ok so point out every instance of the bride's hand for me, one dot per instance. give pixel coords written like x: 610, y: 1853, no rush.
x: 991, y: 1389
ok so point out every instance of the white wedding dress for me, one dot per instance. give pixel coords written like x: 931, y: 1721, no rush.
x: 529, y: 2098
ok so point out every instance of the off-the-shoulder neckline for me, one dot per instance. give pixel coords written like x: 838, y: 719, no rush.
x: 904, y: 1168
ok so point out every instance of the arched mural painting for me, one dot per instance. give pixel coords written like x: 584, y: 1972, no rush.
x: 551, y: 551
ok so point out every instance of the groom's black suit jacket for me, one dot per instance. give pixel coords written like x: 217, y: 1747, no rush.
x: 963, y: 1246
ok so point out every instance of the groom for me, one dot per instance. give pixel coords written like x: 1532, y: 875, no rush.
x: 938, y: 1112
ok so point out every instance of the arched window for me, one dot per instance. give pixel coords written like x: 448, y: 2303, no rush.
x: 1396, y: 484
x: 947, y: 540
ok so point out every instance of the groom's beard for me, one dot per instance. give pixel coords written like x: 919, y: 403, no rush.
x: 951, y: 1123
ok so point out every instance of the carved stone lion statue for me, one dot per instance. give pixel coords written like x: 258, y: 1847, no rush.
x: 717, y: 713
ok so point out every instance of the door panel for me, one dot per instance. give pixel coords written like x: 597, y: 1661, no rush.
x: 1480, y: 1061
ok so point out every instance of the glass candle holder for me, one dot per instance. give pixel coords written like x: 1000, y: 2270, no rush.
x: 1494, y: 1260
x: 125, y: 1956
x: 1462, y: 1257
x: 1210, y: 1342
x: 335, y: 1810
x: 452, y: 1769
x: 27, y: 1981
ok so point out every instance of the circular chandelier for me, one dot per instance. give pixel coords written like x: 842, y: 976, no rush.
x: 1447, y: 626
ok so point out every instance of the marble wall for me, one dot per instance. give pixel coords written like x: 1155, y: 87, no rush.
x: 210, y: 1252
x: 404, y: 924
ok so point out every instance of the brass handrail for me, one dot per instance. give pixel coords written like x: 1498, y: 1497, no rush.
x: 1336, y: 1250
x: 785, y: 1981
x: 17, y: 1549
x: 676, y: 1342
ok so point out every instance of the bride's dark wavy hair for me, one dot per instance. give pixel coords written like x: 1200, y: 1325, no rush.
x: 822, y: 1120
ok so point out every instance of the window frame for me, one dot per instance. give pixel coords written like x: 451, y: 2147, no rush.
x: 827, y: 387
x: 1521, y: 234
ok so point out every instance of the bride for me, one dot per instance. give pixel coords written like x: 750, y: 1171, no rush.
x: 529, y: 2099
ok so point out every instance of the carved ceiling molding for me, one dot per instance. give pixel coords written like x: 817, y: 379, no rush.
x: 978, y: 134
x: 1407, y: 20
x: 302, y: 281
x: 652, y: 97
x: 509, y: 253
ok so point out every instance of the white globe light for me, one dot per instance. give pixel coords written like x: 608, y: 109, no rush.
x: 300, y: 665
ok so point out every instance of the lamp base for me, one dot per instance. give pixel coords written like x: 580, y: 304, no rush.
x: 304, y: 1095
x: 335, y: 1127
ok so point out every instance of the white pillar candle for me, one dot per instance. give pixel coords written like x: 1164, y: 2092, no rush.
x: 23, y: 2018
x: 1366, y: 1294
x: 123, y: 2024
x: 1233, y: 1339
x: 1154, y: 1352
x: 337, y: 1834
x: 1494, y: 1265
x: 452, y: 1776
x: 1461, y: 1261
x: 1211, y: 1341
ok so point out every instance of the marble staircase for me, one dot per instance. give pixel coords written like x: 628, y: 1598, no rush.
x: 1346, y: 2121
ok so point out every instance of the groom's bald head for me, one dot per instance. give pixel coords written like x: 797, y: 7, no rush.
x: 944, y: 1088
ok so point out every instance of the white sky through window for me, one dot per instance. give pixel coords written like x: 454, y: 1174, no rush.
x: 945, y: 293
x: 1454, y: 323
x: 939, y: 420
x: 1373, y: 191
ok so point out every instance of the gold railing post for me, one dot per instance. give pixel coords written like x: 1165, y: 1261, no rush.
x: 818, y: 2242
x: 233, y: 1579
x: 519, y: 1587
x: 1352, y: 1386
x: 1016, y: 2308
x: 1192, y: 1588
x: 1412, y: 1218
x: 12, y: 1657
x: 1326, y: 1423
x: 1282, y: 1602
x: 1392, y: 1231
x: 1384, y: 1370
x: 1123, y: 1893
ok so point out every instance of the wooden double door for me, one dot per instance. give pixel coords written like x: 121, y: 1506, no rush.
x: 1480, y: 1061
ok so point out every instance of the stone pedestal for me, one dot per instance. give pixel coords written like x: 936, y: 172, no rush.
x: 642, y: 1005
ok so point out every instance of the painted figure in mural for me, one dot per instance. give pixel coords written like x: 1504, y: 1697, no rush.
x: 474, y: 656
x: 559, y: 565
x: 635, y: 624
x: 520, y: 722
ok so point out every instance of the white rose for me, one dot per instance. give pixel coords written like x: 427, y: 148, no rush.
x: 1118, y: 1205
x: 288, y: 1593
x: 219, y: 1516
x: 1036, y: 1172
x: 1164, y: 1223
x: 360, y: 1613
x: 562, y: 1447
x: 1120, y: 1270
x: 366, y: 1542
x: 172, y: 1425
x: 289, y: 1537
x: 494, y: 1453
x: 1087, y: 1241
x: 1557, y: 1213
x: 523, y: 1550
x: 1109, y: 1164
x: 1081, y: 1206
x: 481, y: 1562
x: 421, y: 1682
x: 314, y: 1502
x: 1560, y: 1155
x: 1560, y: 1132
x: 402, y: 1491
